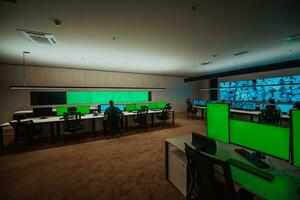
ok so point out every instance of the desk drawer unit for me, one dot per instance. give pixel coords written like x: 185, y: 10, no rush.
x: 177, y: 170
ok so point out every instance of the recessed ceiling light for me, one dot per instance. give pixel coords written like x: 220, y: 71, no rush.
x: 57, y: 22
x: 207, y: 62
x: 240, y: 53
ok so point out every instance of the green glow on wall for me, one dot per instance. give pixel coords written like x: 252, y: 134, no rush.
x: 78, y: 97
x: 218, y: 121
x: 296, y: 137
x: 272, y: 140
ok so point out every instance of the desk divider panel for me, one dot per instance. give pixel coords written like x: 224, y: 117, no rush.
x: 218, y: 121
x: 268, y: 139
x: 295, y: 129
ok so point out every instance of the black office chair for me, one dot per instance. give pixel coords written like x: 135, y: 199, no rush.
x: 270, y: 116
x: 203, y: 182
x: 25, y: 131
x: 72, y: 123
x: 142, y: 118
x: 190, y: 111
x: 164, y: 116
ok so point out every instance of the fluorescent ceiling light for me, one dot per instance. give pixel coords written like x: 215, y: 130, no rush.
x: 18, y: 87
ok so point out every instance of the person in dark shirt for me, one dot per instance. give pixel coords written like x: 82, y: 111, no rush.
x: 190, y: 109
x: 297, y: 105
x: 271, y: 105
x: 112, y: 116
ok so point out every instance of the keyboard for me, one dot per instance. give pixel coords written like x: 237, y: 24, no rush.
x: 252, y: 158
x: 262, y: 174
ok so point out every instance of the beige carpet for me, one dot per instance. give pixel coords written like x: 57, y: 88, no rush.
x: 131, y: 167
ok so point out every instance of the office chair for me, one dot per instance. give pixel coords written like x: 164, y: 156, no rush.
x: 203, y: 182
x: 142, y: 118
x: 25, y: 131
x: 164, y: 116
x: 190, y: 110
x: 72, y: 123
x: 270, y: 116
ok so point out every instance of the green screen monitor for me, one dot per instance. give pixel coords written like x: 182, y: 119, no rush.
x: 60, y: 110
x: 130, y: 107
x: 83, y: 109
x: 267, y: 139
x: 218, y: 121
x: 295, y: 140
x: 161, y: 104
x: 152, y: 105
x: 139, y: 105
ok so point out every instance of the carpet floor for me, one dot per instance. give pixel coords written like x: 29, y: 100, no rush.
x: 126, y: 168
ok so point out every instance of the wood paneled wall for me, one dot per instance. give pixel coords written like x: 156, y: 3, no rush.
x: 12, y: 100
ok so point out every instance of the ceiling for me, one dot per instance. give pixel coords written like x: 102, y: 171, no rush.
x: 151, y: 36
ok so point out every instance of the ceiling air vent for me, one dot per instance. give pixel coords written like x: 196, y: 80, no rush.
x: 292, y: 38
x: 39, y: 37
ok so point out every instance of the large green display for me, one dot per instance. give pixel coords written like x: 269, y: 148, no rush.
x: 88, y: 97
x: 272, y: 140
x: 296, y: 137
x: 218, y: 121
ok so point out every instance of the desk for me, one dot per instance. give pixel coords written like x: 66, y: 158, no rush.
x: 150, y: 112
x: 251, y: 113
x: 284, y: 186
x: 56, y: 120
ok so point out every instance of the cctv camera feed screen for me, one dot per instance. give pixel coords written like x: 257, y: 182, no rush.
x: 281, y: 89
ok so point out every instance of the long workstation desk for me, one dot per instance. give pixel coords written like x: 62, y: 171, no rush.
x: 286, y: 184
x: 55, y: 122
x: 242, y: 112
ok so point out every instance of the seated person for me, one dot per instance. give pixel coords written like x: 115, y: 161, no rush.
x: 190, y: 108
x: 112, y: 116
x: 271, y: 105
x: 297, y: 105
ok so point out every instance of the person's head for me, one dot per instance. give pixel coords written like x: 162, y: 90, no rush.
x: 111, y: 102
x: 271, y: 101
x: 297, y: 105
x: 188, y: 99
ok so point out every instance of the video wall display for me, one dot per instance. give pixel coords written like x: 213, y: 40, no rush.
x: 281, y: 89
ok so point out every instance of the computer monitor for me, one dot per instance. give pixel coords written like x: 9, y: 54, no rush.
x: 267, y: 139
x: 204, y: 144
x: 60, y: 110
x: 138, y: 106
x: 295, y: 140
x: 83, y: 109
x: 161, y: 104
x: 285, y: 108
x: 103, y: 107
x: 152, y: 105
x: 130, y: 107
x: 263, y: 106
x: 243, y: 105
x: 199, y: 102
x: 218, y: 121
x: 42, y: 112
